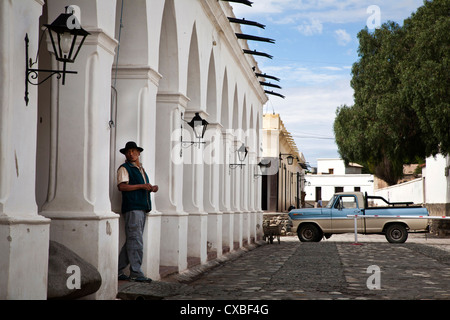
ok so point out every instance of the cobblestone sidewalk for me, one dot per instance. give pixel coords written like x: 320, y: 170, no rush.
x: 418, y: 269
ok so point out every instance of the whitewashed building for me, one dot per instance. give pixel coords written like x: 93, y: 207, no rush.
x: 432, y: 190
x: 143, y: 72
x: 283, y: 176
x: 334, y: 176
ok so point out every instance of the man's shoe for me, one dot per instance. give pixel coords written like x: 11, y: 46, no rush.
x: 142, y: 279
x: 124, y: 277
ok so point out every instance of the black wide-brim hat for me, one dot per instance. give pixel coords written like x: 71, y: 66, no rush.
x: 130, y: 145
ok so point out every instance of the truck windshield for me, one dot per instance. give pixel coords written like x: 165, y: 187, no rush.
x: 330, y: 203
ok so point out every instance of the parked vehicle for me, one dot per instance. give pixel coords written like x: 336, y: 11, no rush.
x: 315, y: 223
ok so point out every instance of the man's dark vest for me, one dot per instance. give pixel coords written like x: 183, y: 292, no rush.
x: 138, y: 199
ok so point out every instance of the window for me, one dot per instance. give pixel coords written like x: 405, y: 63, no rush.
x: 330, y: 203
x: 346, y: 202
x: 338, y: 189
x: 357, y: 189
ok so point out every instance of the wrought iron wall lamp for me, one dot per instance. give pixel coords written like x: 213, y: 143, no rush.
x: 290, y: 158
x: 263, y: 165
x: 199, y: 126
x: 242, y: 154
x: 63, y: 32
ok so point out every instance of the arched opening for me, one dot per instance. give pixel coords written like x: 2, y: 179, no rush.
x: 193, y: 77
x: 211, y: 93
x: 168, y: 50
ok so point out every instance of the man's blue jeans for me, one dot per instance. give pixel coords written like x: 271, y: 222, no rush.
x: 133, y: 249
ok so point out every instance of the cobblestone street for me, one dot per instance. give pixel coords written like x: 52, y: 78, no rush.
x: 332, y: 269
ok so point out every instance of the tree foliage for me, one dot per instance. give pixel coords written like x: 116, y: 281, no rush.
x: 401, y: 85
x: 425, y: 73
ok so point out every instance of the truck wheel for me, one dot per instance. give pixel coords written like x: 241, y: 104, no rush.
x: 309, y: 233
x: 396, y: 233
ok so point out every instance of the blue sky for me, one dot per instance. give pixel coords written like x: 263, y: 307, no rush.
x: 315, y: 46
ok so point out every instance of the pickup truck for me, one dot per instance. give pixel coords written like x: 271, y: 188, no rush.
x: 315, y: 223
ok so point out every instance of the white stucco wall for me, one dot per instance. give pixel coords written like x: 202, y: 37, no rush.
x: 411, y: 191
x: 437, y: 182
x: 176, y: 58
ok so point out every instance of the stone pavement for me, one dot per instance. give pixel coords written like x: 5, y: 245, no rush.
x: 333, y: 269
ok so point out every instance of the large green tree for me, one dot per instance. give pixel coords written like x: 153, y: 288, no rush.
x: 398, y: 116
x: 425, y: 73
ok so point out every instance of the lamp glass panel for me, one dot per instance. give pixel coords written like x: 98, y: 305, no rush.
x: 66, y: 42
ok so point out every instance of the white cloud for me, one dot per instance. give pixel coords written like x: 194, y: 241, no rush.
x: 298, y: 75
x: 262, y: 7
x: 309, y: 29
x: 343, y: 38
x: 326, y: 11
x: 310, y: 111
x: 331, y: 68
x: 314, y: 85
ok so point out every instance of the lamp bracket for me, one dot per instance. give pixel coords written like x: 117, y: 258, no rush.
x: 33, y: 74
x: 235, y: 165
x: 187, y: 144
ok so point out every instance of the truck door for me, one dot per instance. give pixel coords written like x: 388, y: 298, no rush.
x: 345, y: 205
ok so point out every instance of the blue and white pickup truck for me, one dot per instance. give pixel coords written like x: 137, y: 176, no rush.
x: 393, y: 219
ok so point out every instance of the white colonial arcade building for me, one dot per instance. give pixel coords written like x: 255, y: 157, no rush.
x: 143, y: 72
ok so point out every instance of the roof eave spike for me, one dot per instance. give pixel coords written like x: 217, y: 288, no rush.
x: 274, y: 93
x: 247, y: 22
x: 254, y: 38
x: 246, y: 2
x: 268, y: 84
x: 258, y: 53
x: 267, y: 76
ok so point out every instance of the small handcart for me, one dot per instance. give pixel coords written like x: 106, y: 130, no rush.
x: 272, y: 231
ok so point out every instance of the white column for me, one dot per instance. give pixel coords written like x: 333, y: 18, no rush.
x: 258, y: 209
x: 136, y: 88
x: 24, y: 234
x: 236, y: 187
x: 226, y: 190
x: 80, y: 208
x: 212, y: 157
x: 252, y: 193
x: 193, y: 192
x: 147, y: 133
x: 245, y: 201
x: 169, y: 157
